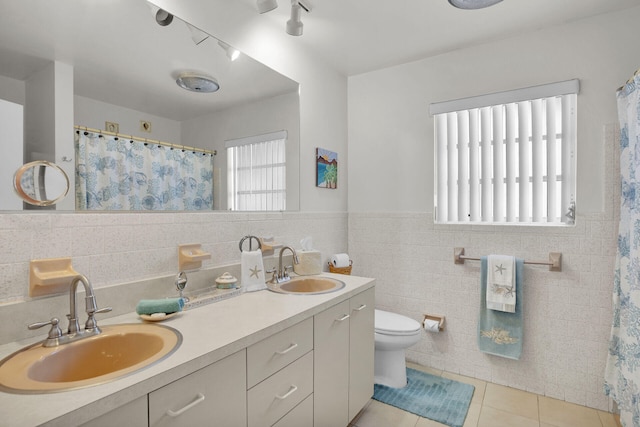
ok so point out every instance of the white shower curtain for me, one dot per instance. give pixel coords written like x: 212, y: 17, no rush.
x: 120, y: 174
x: 622, y: 376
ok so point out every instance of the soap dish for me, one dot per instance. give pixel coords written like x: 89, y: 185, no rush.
x: 157, y: 317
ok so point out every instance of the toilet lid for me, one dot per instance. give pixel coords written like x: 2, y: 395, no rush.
x: 394, y: 324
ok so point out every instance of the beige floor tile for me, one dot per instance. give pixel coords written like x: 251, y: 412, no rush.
x: 607, y: 419
x: 425, y: 422
x: 378, y: 414
x: 473, y: 416
x: 480, y: 385
x: 562, y: 414
x: 426, y: 369
x: 511, y: 400
x: 491, y: 417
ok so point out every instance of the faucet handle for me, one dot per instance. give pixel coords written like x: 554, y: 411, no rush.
x: 91, y: 322
x: 55, y: 331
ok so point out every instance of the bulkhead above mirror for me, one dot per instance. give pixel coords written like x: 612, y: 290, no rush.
x: 113, y: 67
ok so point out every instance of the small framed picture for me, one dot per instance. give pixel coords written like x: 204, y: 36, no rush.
x: 326, y: 168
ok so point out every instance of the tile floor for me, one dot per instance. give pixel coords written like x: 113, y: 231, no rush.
x: 492, y: 406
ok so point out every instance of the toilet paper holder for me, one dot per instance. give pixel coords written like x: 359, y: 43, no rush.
x: 436, y: 318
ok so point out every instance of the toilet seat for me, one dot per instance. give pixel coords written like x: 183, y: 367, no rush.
x: 387, y: 323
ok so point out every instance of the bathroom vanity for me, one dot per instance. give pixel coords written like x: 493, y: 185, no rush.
x: 258, y: 359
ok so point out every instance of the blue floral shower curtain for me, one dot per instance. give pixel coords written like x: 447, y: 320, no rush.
x: 622, y: 376
x: 121, y: 174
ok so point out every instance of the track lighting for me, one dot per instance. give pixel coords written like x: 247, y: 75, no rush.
x: 294, y: 25
x: 198, y: 36
x: 232, y: 53
x: 473, y: 4
x: 162, y: 17
x: 265, y: 6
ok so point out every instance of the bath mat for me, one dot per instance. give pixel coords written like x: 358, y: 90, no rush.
x: 439, y: 399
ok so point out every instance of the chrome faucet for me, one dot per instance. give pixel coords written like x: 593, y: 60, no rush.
x: 282, y: 274
x: 74, y: 332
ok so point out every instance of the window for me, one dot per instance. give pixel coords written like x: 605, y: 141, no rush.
x: 256, y: 172
x: 508, y: 157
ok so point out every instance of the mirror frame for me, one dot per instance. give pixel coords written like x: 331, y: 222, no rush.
x: 17, y: 183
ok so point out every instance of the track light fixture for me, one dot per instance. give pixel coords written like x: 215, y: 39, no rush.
x: 473, y: 4
x: 162, y: 17
x: 265, y: 6
x: 232, y: 53
x: 294, y: 25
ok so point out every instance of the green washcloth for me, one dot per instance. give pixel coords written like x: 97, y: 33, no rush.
x: 166, y: 305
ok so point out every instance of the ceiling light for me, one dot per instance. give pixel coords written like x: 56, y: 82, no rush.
x: 161, y: 16
x: 232, y: 53
x: 265, y: 6
x: 473, y: 4
x: 294, y: 25
x: 197, y: 82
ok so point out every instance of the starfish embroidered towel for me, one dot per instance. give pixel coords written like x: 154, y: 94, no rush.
x: 500, y: 333
x: 501, y: 283
x: 252, y: 271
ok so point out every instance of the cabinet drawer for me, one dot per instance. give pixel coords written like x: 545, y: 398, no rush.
x: 268, y: 356
x: 300, y: 416
x: 214, y: 395
x: 280, y: 393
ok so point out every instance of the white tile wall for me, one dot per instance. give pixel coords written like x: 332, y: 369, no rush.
x: 114, y: 249
x: 567, y: 315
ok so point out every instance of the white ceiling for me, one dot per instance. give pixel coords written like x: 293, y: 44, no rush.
x: 358, y: 36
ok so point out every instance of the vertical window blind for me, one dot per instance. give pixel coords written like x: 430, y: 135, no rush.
x: 507, y: 157
x: 256, y: 172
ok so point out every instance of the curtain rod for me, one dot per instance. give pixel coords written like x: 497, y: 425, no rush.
x: 630, y: 80
x: 151, y: 141
x: 554, y: 263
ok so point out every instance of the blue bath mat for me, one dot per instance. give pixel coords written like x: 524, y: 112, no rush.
x: 439, y: 399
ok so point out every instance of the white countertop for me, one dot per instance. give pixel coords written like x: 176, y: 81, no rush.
x: 210, y: 333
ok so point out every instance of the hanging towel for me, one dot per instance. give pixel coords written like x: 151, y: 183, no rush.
x: 500, y: 333
x: 252, y: 271
x: 501, y: 283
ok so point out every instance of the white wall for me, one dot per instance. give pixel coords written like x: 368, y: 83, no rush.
x: 264, y: 116
x: 91, y: 113
x: 323, y: 101
x: 567, y: 315
x: 11, y: 137
x: 391, y: 132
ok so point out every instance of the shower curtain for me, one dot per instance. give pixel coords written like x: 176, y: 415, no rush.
x: 121, y: 174
x: 622, y: 376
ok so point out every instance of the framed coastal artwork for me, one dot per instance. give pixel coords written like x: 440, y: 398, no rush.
x: 326, y: 168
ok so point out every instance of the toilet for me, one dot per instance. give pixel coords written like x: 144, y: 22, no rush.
x: 393, y: 334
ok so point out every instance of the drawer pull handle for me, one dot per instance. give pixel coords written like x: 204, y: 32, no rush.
x: 343, y: 318
x: 288, y: 349
x: 287, y: 394
x: 362, y: 307
x: 199, y: 399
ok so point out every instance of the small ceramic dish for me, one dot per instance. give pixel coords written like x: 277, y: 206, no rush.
x: 157, y: 317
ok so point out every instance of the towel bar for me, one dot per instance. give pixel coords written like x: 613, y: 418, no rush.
x: 554, y: 263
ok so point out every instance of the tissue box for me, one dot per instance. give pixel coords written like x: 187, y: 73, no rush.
x: 310, y: 263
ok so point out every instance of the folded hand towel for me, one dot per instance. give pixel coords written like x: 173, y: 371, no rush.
x: 500, y: 333
x: 252, y: 271
x: 165, y: 305
x: 501, y: 283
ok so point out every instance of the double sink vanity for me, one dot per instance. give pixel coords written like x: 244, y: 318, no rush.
x: 299, y: 356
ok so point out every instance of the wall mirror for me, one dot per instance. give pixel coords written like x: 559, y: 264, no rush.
x: 112, y: 66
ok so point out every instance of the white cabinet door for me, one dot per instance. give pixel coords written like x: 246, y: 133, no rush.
x: 132, y: 414
x: 213, y: 396
x: 361, y: 351
x: 331, y: 366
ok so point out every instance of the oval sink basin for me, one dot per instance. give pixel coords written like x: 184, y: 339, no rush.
x: 308, y: 285
x: 118, y: 351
